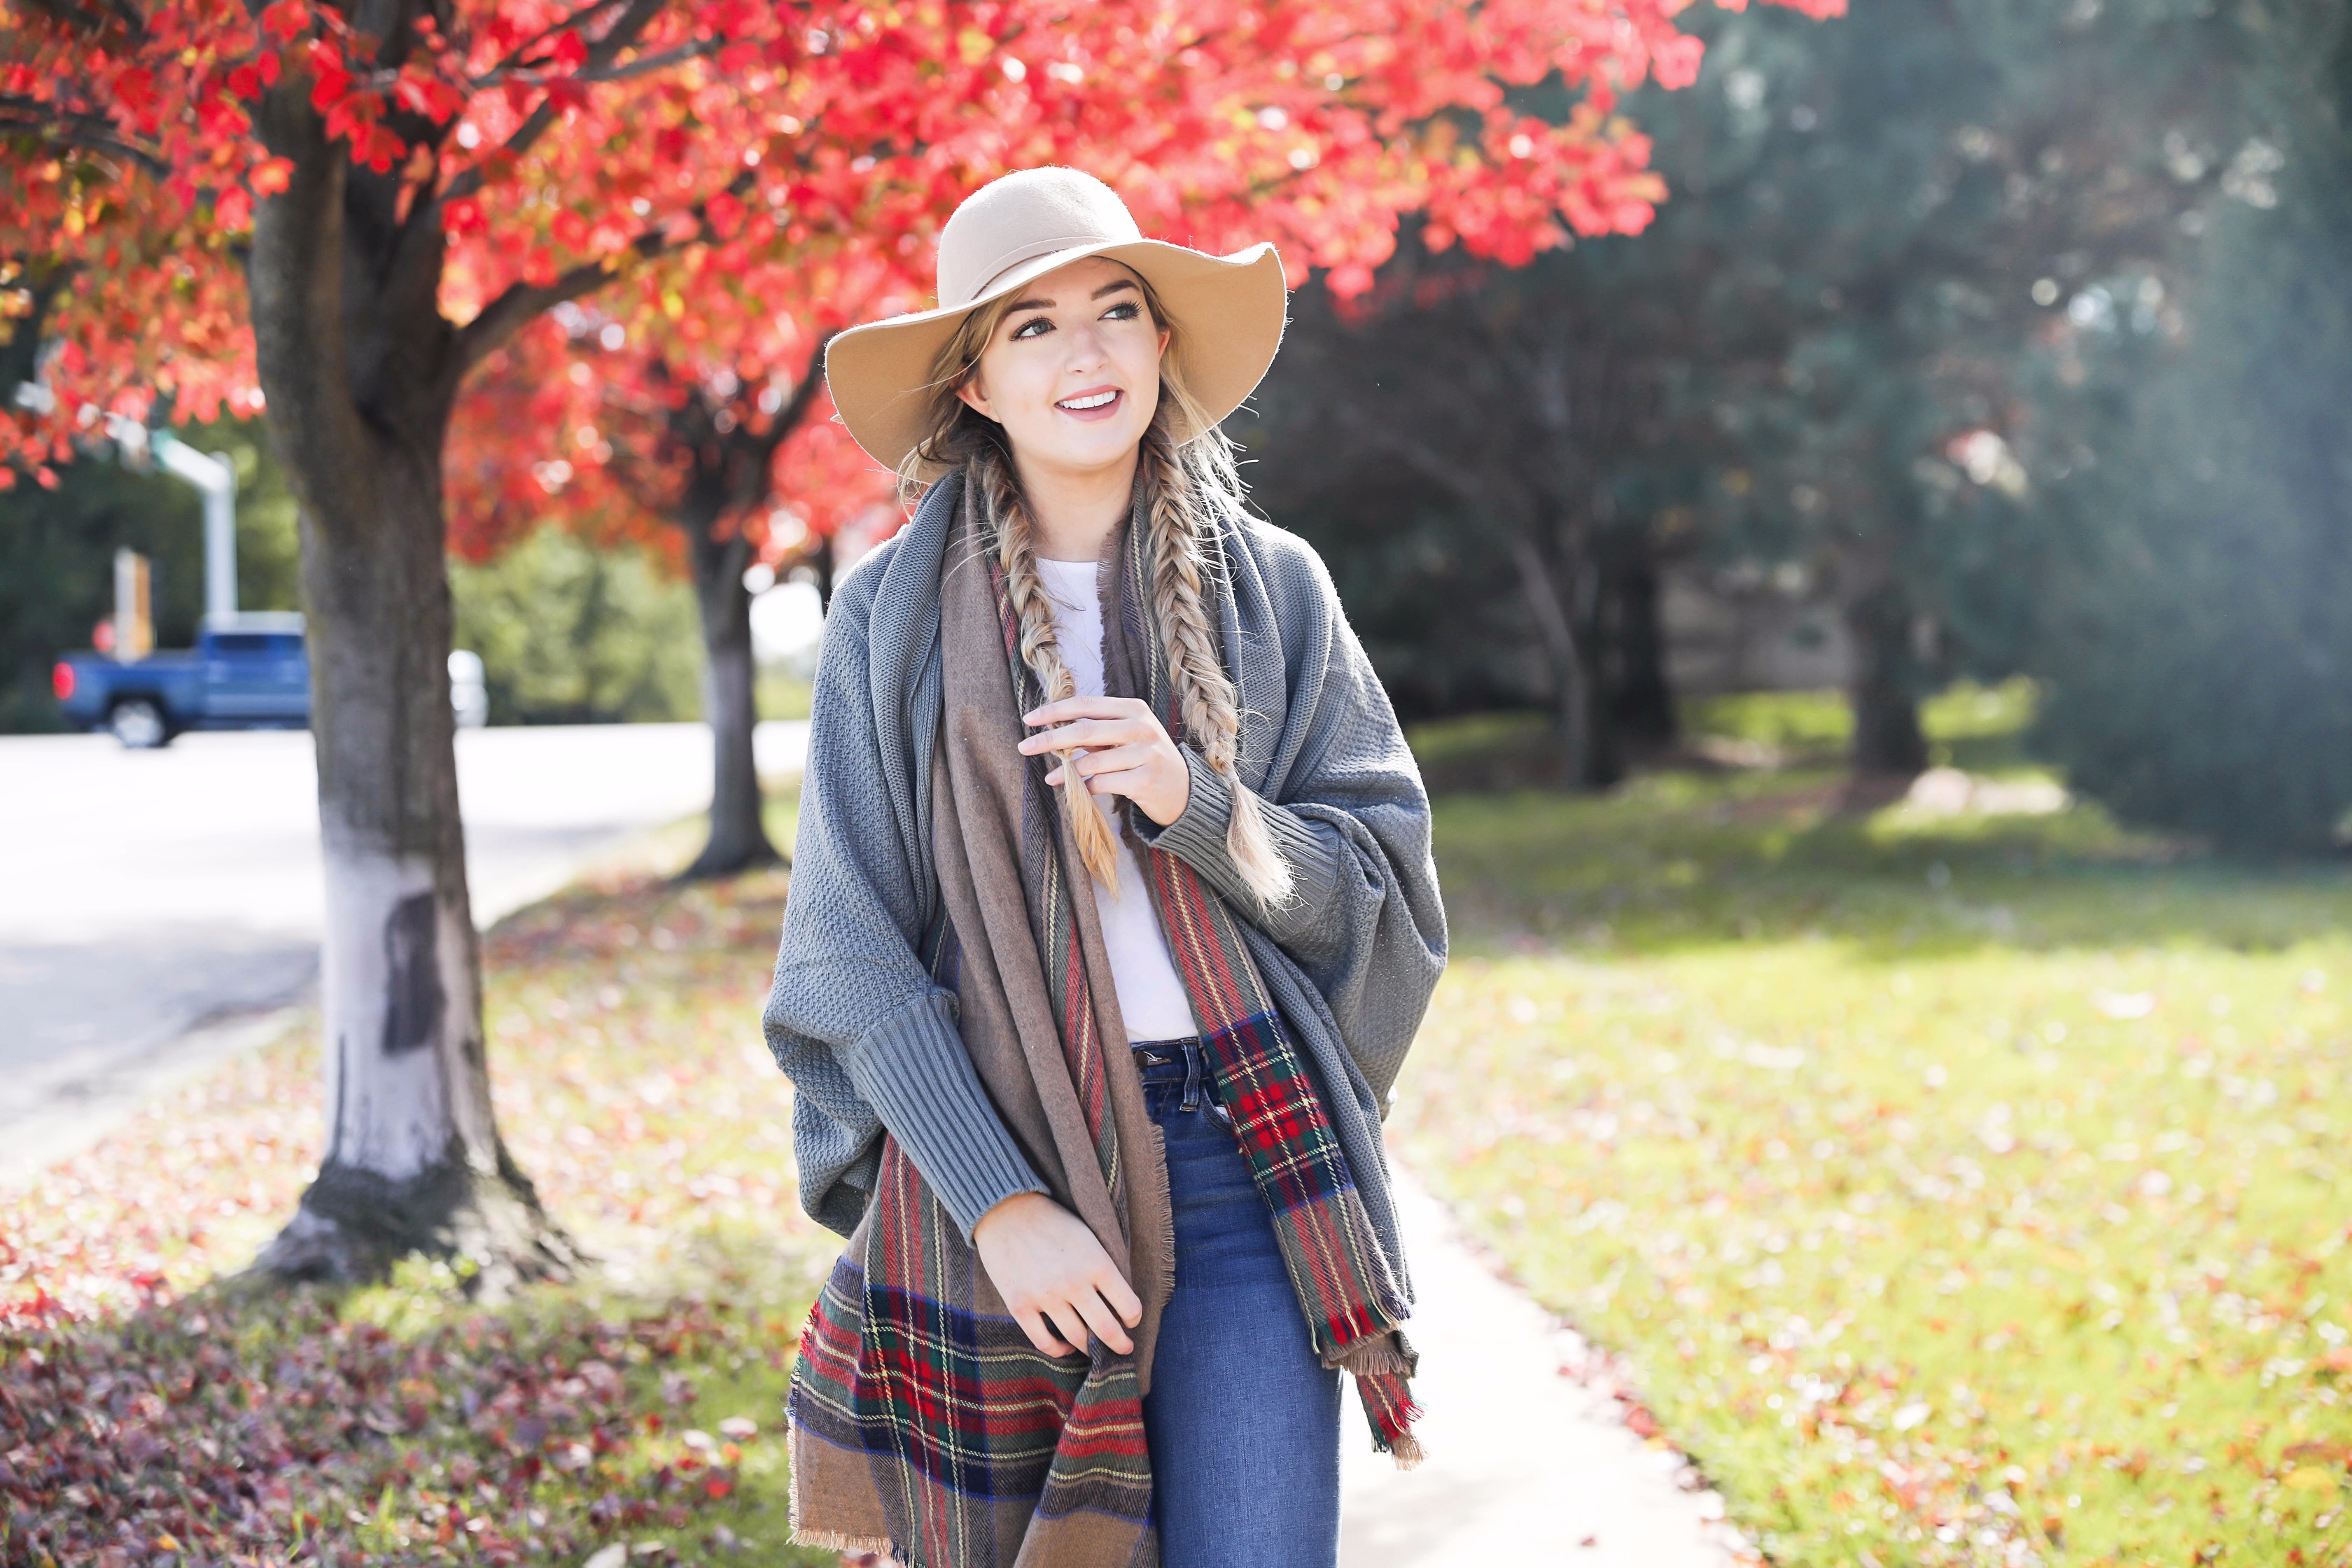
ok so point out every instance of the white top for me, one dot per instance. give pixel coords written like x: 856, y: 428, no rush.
x: 1150, y: 995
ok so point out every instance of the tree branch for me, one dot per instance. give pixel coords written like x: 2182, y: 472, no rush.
x: 496, y: 73
x: 625, y: 31
x: 645, y: 64
x: 504, y: 316
x: 795, y: 409
x: 91, y: 133
x: 87, y: 19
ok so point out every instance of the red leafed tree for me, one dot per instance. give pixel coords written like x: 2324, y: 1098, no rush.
x: 340, y: 208
x: 708, y: 430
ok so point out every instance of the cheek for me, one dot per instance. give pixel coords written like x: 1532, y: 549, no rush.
x: 1020, y: 387
x: 1138, y: 358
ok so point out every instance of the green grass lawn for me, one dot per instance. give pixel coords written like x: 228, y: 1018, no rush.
x: 1962, y: 1189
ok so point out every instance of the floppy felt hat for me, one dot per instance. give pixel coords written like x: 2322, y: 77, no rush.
x: 1228, y: 310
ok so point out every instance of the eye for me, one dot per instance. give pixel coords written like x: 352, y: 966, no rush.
x: 1125, y: 311
x: 1041, y: 323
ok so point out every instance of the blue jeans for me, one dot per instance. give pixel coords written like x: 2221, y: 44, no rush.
x: 1243, y: 1419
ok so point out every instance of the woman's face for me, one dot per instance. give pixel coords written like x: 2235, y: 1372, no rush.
x: 1073, y: 370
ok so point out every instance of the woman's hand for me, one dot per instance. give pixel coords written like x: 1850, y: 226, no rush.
x: 1055, y: 1276
x: 1125, y: 751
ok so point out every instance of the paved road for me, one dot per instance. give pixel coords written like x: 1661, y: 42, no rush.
x: 147, y: 894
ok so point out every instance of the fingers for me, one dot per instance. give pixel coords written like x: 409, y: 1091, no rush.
x: 1091, y: 732
x: 1058, y: 1282
x: 1066, y: 1316
x: 1103, y: 1321
x: 1128, y: 781
x: 1070, y: 708
x: 1104, y: 1309
x: 1034, y: 1325
x: 1121, y: 1296
x: 1115, y: 760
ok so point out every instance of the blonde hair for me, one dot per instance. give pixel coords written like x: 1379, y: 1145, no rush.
x: 1185, y: 484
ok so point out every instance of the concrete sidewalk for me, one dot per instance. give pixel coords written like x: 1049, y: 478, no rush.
x: 1530, y: 1461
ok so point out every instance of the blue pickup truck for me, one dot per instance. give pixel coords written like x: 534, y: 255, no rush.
x: 253, y: 674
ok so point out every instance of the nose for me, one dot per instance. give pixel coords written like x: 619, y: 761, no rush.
x: 1087, y: 347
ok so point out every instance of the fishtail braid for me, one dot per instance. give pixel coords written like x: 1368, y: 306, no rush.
x: 1205, y: 698
x: 1009, y: 524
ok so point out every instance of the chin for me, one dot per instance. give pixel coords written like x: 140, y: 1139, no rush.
x: 1101, y: 449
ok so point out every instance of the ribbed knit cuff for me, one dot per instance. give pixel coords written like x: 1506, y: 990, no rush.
x: 1198, y: 837
x: 914, y: 1071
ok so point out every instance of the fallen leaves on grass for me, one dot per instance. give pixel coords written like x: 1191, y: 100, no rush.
x: 150, y: 1414
x: 1935, y: 1241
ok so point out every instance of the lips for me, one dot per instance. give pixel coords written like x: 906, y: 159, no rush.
x: 1094, y: 403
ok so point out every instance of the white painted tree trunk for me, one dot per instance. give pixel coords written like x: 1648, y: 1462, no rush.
x: 360, y: 372
x: 397, y: 1078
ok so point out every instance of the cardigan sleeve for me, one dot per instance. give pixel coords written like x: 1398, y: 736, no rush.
x: 1345, y: 807
x: 854, y: 1016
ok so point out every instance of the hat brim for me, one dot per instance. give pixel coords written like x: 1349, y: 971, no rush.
x: 1228, y: 310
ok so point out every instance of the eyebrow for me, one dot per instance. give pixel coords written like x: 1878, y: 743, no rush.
x: 1048, y: 304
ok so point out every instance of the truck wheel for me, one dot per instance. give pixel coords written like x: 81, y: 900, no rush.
x: 139, y: 724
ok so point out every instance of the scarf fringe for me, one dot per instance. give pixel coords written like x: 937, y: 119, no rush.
x: 842, y: 1542
x: 1405, y: 1450
x: 1155, y: 1155
x: 1374, y: 1358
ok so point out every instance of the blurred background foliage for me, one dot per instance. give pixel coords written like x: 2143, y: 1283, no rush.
x: 2015, y: 338
x: 574, y: 633
x: 2006, y: 346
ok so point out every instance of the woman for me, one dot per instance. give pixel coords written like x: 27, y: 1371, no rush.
x: 1112, y: 917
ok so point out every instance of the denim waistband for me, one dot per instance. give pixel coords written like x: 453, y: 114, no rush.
x: 1167, y: 1061
x: 1169, y: 1065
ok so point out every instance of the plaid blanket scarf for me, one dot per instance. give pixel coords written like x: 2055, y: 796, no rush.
x: 923, y: 1423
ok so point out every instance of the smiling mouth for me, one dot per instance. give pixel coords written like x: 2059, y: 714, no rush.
x: 1089, y: 401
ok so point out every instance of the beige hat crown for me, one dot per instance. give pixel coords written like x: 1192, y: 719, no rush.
x: 1022, y: 216
x: 1228, y: 310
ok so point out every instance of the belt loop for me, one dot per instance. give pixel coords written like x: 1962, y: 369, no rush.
x: 1191, y: 1075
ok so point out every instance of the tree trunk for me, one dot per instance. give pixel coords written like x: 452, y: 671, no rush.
x: 822, y: 559
x: 739, y: 839
x: 1888, y: 740
x: 1641, y: 700
x: 1583, y: 762
x: 360, y: 372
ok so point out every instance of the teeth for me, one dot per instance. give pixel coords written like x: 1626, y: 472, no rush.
x: 1095, y: 401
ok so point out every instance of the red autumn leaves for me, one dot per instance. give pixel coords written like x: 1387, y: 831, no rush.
x: 644, y: 137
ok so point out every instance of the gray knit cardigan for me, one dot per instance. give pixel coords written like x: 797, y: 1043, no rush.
x: 868, y: 1037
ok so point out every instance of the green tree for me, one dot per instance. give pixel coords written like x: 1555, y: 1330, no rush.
x: 1879, y: 227
x: 1482, y: 454
x: 1831, y: 351
x: 572, y: 633
x: 2198, y: 650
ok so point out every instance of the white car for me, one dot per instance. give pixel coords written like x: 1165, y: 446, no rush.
x: 467, y: 695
